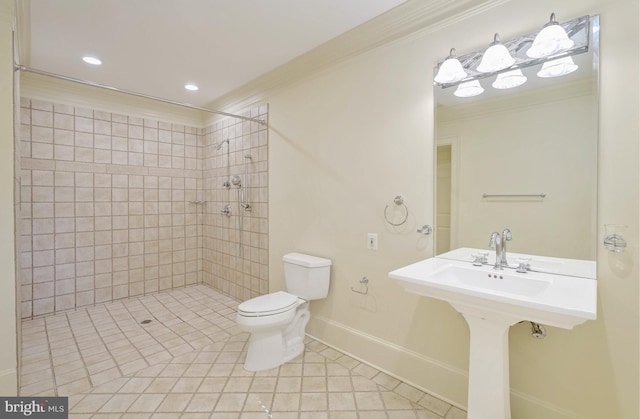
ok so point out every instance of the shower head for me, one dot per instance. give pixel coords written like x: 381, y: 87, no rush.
x: 236, y: 181
x: 219, y: 145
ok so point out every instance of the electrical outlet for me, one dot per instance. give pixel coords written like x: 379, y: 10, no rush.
x: 372, y: 241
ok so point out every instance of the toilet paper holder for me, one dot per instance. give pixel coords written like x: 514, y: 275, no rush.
x: 365, y: 282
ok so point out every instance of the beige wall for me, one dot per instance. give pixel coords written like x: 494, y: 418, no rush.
x: 8, y: 359
x: 346, y: 140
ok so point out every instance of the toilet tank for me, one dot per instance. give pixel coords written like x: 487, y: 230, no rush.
x: 307, y: 276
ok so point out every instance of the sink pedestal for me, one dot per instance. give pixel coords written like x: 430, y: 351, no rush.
x: 488, y: 364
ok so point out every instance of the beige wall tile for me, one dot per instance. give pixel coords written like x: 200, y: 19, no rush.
x: 129, y: 179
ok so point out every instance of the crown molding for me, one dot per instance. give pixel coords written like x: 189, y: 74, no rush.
x: 410, y: 19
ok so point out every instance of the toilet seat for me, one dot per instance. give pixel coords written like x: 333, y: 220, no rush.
x: 268, y: 305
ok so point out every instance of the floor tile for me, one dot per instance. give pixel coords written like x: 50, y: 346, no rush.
x: 187, y: 363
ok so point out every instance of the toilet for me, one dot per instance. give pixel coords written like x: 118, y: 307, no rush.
x: 277, y: 321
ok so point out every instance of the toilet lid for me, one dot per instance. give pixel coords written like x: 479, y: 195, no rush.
x: 269, y: 304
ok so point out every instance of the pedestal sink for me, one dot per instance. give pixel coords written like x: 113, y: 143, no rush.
x: 491, y: 301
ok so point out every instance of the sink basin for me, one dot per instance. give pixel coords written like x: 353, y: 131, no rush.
x: 491, y: 301
x: 496, y: 282
x: 557, y: 300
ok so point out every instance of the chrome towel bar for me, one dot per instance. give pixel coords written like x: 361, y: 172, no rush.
x: 531, y: 195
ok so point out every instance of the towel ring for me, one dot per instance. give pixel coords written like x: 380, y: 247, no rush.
x: 399, y: 201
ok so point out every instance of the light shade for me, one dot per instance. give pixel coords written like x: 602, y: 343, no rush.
x: 191, y: 86
x: 509, y: 79
x: 469, y: 89
x: 450, y: 70
x: 495, y: 58
x: 552, y: 39
x: 557, y: 68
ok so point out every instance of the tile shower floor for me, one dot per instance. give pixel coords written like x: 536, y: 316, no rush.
x: 186, y: 362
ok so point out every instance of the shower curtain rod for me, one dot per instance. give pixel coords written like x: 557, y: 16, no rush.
x: 128, y: 92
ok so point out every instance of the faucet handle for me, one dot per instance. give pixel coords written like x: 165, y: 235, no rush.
x: 523, y: 265
x: 506, y: 234
x: 480, y: 258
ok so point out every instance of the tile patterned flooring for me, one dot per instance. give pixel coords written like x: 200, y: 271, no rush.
x: 187, y: 363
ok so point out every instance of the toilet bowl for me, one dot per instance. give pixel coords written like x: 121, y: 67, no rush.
x: 277, y: 321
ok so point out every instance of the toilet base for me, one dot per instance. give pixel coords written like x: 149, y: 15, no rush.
x: 272, y: 348
x: 264, y: 351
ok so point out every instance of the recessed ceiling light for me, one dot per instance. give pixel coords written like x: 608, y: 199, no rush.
x: 91, y: 60
x: 191, y: 86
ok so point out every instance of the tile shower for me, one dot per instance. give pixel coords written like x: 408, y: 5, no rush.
x: 112, y: 207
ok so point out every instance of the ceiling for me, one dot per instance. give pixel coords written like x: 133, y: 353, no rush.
x: 155, y: 47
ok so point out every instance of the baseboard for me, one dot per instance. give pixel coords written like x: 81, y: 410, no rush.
x: 446, y: 382
x: 9, y: 382
x: 529, y: 407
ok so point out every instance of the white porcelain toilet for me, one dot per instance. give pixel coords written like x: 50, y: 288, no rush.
x: 277, y: 321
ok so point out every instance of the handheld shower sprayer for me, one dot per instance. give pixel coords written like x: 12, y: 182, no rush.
x: 237, y: 182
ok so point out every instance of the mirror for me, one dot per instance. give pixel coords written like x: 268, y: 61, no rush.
x: 524, y: 159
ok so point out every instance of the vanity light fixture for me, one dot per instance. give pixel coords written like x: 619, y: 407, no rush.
x: 469, y: 89
x: 191, y: 86
x: 551, y: 40
x: 509, y: 79
x: 507, y: 60
x: 91, y: 60
x: 450, y: 70
x: 497, y: 57
x: 556, y: 68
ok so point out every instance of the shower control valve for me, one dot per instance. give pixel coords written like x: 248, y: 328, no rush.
x: 226, y: 210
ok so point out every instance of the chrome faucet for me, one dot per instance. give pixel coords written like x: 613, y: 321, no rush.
x: 495, y: 242
x: 499, y: 243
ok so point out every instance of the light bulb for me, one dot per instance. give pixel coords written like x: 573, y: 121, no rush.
x: 91, y: 60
